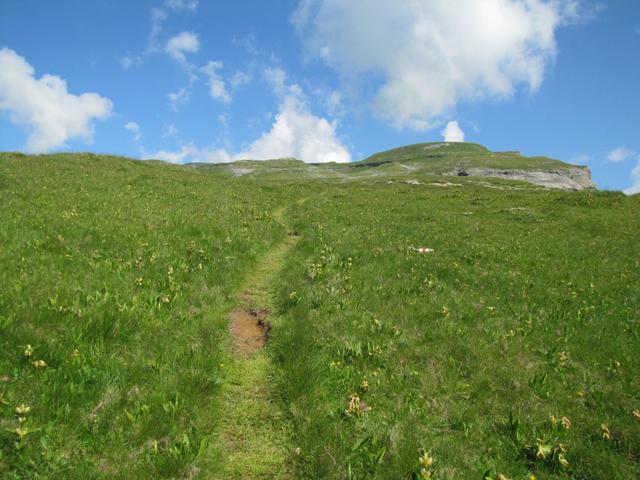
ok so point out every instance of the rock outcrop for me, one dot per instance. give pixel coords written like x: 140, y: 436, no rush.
x: 574, y: 178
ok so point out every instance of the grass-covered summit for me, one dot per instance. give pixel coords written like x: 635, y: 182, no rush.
x: 413, y: 162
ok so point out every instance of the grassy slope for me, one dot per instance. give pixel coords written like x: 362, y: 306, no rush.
x: 527, y: 309
x: 133, y: 266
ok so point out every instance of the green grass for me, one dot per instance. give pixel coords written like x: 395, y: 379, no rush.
x: 528, y: 309
x: 121, y: 275
x: 133, y: 266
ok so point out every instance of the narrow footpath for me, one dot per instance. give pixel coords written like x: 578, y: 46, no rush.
x: 255, y: 434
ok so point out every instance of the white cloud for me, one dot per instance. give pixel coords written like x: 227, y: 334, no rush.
x: 158, y: 16
x: 129, y: 61
x: 52, y: 114
x: 170, y: 130
x: 190, y: 153
x: 184, y: 42
x: 296, y: 132
x: 430, y: 55
x: 134, y: 128
x: 217, y: 87
x: 179, y: 98
x: 182, y: 5
x: 453, y: 132
x: 635, y: 179
x: 620, y: 154
x: 239, y: 79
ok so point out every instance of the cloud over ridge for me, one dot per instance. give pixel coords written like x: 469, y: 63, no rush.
x: 429, y: 54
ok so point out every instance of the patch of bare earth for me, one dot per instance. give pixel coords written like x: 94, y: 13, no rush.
x: 249, y: 330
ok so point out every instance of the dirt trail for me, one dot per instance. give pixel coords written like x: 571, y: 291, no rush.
x: 255, y: 434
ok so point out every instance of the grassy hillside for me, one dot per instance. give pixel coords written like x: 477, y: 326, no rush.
x: 512, y: 349
x: 119, y: 276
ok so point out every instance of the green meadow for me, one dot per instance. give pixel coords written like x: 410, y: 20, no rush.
x: 510, y: 351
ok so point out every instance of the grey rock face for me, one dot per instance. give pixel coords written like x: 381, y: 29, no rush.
x: 575, y: 178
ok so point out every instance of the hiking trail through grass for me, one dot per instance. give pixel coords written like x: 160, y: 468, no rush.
x: 255, y: 434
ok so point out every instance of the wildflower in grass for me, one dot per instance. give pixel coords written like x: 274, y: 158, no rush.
x: 426, y: 461
x: 353, y: 407
x: 364, y: 385
x: 75, y: 353
x: 293, y: 295
x: 542, y: 449
x: 532, y: 477
x: 139, y: 281
x: 606, y: 434
x: 376, y: 352
x: 566, y: 423
x: 563, y: 357
x: 22, y: 410
x: 445, y: 311
x: 560, y: 451
x: 562, y: 460
x: 636, y: 414
x: 554, y: 421
x: 39, y: 363
x: 166, y: 299
x: 28, y: 351
x: 21, y: 432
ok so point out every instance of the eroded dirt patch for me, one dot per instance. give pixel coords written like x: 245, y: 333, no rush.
x: 249, y: 330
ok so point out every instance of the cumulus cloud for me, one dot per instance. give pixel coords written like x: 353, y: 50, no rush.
x: 134, y: 128
x: 635, y: 179
x: 296, y: 132
x: 453, y: 132
x: 217, y: 87
x: 429, y: 56
x: 184, y: 42
x: 44, y: 106
x: 620, y: 154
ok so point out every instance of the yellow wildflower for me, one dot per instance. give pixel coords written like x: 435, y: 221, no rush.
x: 606, y: 434
x: 354, y: 405
x: 39, y: 363
x: 28, y: 351
x: 566, y: 423
x: 425, y: 460
x: 22, y: 410
x: 636, y: 414
x: 364, y: 385
x: 563, y: 461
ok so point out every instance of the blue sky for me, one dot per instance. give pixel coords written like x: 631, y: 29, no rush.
x: 323, y: 80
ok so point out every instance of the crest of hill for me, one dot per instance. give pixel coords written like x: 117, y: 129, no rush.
x: 441, y: 157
